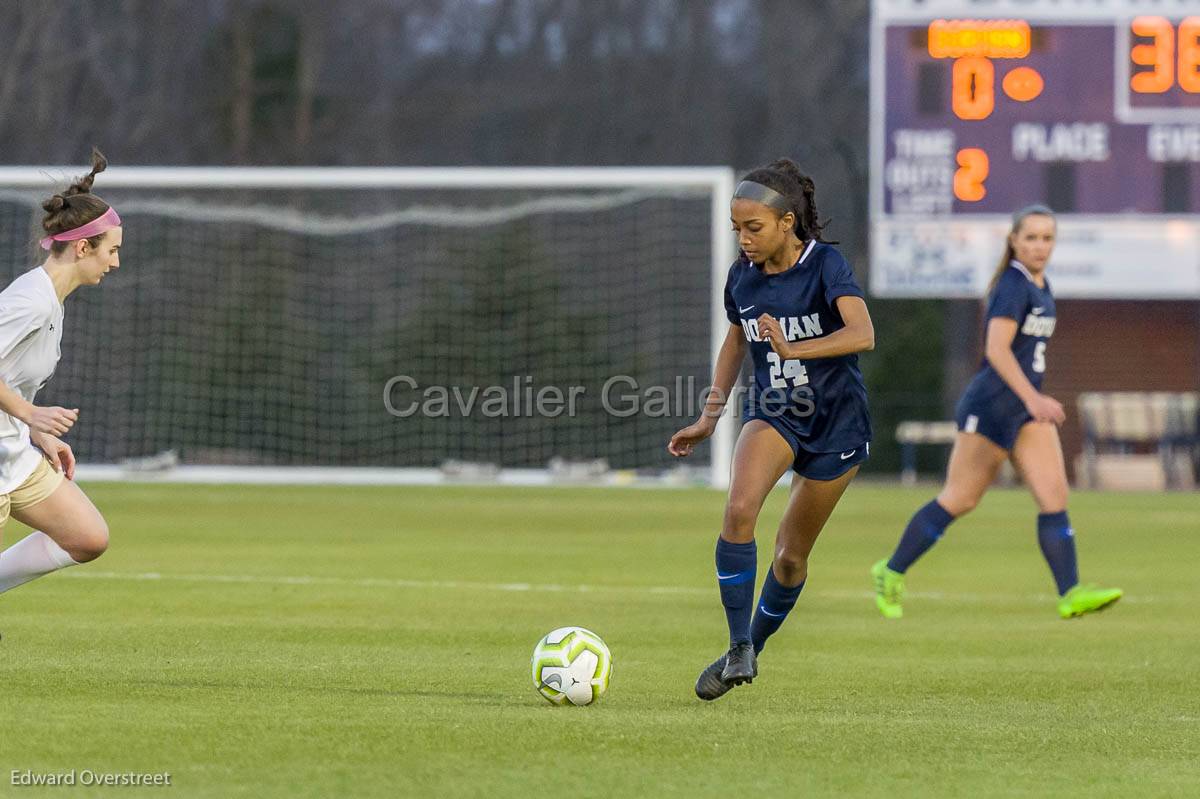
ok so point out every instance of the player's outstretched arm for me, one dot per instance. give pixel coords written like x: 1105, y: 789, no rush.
x: 858, y: 335
x: 729, y: 364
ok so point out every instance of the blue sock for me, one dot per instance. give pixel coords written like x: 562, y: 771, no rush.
x: 736, y: 568
x: 774, y: 604
x: 1058, y: 547
x: 923, y: 531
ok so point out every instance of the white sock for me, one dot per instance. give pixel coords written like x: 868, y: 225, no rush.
x: 31, y: 557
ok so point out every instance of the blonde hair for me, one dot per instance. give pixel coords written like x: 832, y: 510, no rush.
x: 1018, y: 218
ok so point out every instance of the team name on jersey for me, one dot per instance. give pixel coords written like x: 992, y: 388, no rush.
x: 794, y: 327
x: 1037, y: 325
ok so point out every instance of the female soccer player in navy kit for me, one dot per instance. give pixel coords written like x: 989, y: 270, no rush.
x: 83, y: 240
x: 792, y: 301
x: 1004, y: 414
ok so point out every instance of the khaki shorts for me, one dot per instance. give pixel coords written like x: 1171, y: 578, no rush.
x: 36, y: 488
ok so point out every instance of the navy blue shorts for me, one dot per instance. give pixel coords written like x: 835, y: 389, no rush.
x: 997, y: 421
x: 817, y: 465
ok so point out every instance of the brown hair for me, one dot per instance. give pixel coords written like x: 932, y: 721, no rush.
x: 785, y: 177
x: 1018, y: 219
x: 75, y: 206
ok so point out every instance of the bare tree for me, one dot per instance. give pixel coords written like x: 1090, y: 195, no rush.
x: 445, y: 82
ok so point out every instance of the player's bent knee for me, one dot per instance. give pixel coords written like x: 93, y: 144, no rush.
x: 1055, y: 502
x: 790, y: 566
x: 957, y: 505
x: 740, y: 516
x: 90, y: 545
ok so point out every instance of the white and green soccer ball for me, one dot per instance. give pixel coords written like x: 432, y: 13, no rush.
x: 572, y: 665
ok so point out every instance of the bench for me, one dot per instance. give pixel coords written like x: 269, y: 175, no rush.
x: 1118, y: 428
x: 911, y: 434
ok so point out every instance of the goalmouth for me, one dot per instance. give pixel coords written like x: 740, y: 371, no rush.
x: 260, y: 312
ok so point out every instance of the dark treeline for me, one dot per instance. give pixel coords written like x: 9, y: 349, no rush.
x: 444, y: 82
x: 472, y: 82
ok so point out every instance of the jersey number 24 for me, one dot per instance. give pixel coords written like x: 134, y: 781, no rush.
x: 783, y: 371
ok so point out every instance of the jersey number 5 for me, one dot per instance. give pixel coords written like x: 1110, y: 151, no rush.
x: 783, y: 371
x: 1039, y: 357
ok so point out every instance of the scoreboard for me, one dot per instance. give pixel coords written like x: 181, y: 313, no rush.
x: 979, y: 107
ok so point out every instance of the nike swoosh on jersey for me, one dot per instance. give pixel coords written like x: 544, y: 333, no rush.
x: 845, y: 455
x: 747, y: 308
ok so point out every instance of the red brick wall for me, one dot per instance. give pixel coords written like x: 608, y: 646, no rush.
x: 1126, y: 345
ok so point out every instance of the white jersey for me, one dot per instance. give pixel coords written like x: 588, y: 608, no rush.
x: 31, y: 321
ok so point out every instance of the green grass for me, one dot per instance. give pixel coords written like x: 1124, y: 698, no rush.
x: 396, y: 664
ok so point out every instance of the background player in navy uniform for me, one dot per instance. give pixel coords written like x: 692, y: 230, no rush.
x: 1003, y: 414
x: 792, y: 301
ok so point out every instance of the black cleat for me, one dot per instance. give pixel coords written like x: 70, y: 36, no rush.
x: 710, y: 686
x: 740, y: 665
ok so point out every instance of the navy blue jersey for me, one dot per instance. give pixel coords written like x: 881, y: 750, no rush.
x: 823, y: 401
x: 1017, y: 297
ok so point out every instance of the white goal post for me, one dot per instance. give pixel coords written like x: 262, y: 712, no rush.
x: 180, y: 215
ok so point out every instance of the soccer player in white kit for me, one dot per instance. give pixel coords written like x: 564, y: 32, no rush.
x: 83, y: 237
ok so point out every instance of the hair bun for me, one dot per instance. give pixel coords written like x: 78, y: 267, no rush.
x: 55, y: 204
x: 84, y: 184
x: 787, y: 166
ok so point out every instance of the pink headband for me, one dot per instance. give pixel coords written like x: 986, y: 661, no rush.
x: 101, y: 224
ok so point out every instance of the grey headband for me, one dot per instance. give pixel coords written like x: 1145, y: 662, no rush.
x: 1030, y: 210
x: 749, y: 190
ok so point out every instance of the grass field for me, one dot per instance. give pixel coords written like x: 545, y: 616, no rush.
x: 375, y: 642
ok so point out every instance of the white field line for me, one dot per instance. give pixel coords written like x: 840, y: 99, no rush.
x: 629, y: 590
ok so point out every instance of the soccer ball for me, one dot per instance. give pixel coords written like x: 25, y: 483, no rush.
x: 571, y: 664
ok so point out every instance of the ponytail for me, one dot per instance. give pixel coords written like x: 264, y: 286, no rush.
x: 1005, y: 260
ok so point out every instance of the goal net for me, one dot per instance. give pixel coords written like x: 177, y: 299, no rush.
x: 396, y: 318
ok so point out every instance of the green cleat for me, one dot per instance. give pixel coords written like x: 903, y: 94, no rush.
x: 1085, y: 599
x: 889, y: 590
